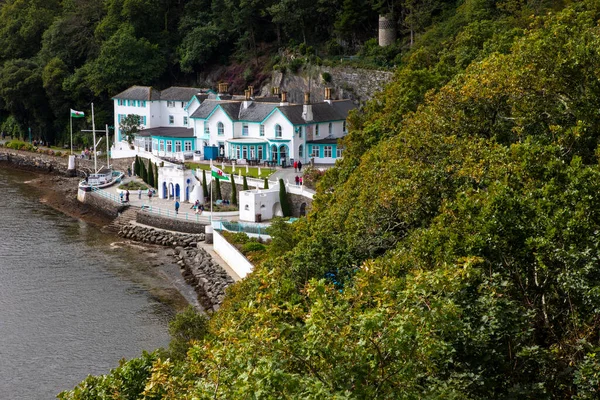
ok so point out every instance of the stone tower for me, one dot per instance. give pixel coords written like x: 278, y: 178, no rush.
x: 387, y: 30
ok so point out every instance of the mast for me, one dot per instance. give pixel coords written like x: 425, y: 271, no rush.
x: 94, y: 135
x: 107, y: 149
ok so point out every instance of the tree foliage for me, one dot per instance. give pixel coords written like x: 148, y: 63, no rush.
x: 453, y: 253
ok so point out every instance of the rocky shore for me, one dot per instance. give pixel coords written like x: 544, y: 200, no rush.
x: 198, y: 268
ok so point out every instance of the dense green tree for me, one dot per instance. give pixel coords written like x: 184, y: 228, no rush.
x: 204, y: 185
x: 234, y: 199
x: 245, y: 184
x: 187, y: 327
x: 284, y: 201
x: 150, y: 169
x: 130, y: 125
x: 217, y: 190
x: 111, y: 72
x: 266, y: 183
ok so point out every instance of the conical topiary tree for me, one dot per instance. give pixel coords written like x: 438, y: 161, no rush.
x: 151, y: 181
x: 204, y: 186
x: 266, y: 185
x: 218, y: 190
x: 286, y: 209
x: 143, y: 172
x: 245, y: 184
x: 136, y: 166
x: 233, y: 191
x: 156, y: 176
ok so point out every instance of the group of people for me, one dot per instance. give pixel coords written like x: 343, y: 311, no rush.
x: 298, y: 180
x: 297, y: 166
x: 198, y: 207
x: 125, y: 195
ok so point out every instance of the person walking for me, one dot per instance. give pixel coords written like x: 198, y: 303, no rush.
x: 299, y: 166
x: 127, y: 196
x: 297, y: 180
x: 300, y: 181
x: 121, y: 196
x: 139, y: 194
x: 295, y: 166
x: 176, y: 207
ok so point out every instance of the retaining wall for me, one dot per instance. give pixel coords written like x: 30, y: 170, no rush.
x: 169, y: 224
x: 231, y: 255
x: 100, y: 203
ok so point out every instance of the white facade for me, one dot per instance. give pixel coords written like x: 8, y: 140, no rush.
x: 259, y: 202
x: 174, y: 182
x: 264, y: 137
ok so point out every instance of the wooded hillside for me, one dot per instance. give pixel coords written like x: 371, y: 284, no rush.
x: 453, y: 253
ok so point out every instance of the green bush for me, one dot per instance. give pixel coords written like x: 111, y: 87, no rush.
x: 326, y: 77
x: 296, y: 64
x: 253, y: 246
x: 133, y: 185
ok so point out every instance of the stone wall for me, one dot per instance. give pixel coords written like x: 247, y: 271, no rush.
x: 179, y: 225
x: 35, y: 161
x: 206, y: 276
x: 57, y: 164
x: 103, y: 204
x: 347, y: 83
x: 297, y: 201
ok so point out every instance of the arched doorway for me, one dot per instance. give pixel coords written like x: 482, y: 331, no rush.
x: 171, y: 190
x: 274, y: 153
x: 277, y: 210
x: 283, y: 154
x: 164, y: 190
x: 187, y: 190
x: 177, y: 191
x: 302, y: 209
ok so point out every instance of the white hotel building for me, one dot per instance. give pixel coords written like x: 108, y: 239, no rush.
x: 180, y: 122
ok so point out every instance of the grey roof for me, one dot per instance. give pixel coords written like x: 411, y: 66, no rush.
x: 324, y: 141
x: 177, y: 93
x: 175, y: 132
x: 145, y: 93
x: 270, y: 99
x: 322, y: 112
x: 205, y: 108
x: 343, y: 107
x: 256, y: 112
x: 232, y: 109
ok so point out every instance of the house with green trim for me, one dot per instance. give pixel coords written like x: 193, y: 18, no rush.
x: 181, y: 122
x: 273, y: 129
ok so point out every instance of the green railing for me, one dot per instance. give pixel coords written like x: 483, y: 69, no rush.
x: 171, y: 214
x: 246, y: 228
x: 107, y: 195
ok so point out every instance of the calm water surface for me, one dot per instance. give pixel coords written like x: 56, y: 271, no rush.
x: 67, y: 305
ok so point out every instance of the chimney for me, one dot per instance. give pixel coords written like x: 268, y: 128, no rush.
x: 222, y: 88
x: 248, y: 99
x: 276, y: 90
x: 328, y: 95
x: 307, y: 113
x: 251, y: 90
x: 284, y: 100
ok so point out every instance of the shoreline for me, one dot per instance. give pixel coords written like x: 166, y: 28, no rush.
x: 59, y: 192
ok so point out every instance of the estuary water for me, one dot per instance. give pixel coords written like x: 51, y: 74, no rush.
x: 69, y: 305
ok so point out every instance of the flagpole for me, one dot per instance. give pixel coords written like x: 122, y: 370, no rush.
x: 211, y: 197
x: 71, y: 120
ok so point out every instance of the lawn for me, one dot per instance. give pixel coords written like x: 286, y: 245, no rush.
x: 252, y: 171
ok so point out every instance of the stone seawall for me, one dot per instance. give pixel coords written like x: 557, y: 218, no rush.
x: 102, y: 204
x: 56, y: 164
x: 199, y: 270
x: 170, y: 224
x: 35, y: 161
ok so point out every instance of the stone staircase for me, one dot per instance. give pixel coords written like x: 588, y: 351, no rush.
x: 128, y: 215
